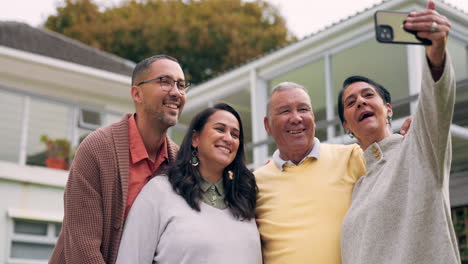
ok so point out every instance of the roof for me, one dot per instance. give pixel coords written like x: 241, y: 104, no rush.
x: 40, y: 41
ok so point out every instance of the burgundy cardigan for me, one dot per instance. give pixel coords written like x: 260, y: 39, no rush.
x: 95, y: 197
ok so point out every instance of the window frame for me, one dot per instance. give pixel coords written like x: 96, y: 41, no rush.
x: 87, y: 125
x: 50, y: 239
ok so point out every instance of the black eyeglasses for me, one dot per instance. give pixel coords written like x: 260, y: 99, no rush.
x: 167, y: 83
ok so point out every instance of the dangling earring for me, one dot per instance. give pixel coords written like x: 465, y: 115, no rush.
x: 231, y: 175
x: 350, y: 134
x: 194, y: 161
x: 389, y: 119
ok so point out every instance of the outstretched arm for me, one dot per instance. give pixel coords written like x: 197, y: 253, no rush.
x: 433, y: 117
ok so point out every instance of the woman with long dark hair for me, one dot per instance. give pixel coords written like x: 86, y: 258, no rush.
x: 203, y: 209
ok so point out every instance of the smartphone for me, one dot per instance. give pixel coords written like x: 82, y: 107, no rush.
x: 389, y: 29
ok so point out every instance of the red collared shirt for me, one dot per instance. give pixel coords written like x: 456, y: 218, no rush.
x: 142, y: 169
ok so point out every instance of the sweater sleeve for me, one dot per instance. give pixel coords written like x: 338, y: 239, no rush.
x: 142, y: 228
x: 433, y: 118
x: 83, y: 220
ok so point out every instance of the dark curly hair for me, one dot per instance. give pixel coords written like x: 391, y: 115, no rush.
x: 240, y: 193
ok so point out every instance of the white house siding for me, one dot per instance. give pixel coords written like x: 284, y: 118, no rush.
x: 28, y: 194
x: 323, y: 60
x: 10, y: 125
x: 56, y: 89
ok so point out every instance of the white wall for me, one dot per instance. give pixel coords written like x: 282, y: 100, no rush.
x: 28, y: 192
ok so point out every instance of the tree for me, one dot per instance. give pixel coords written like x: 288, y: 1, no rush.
x: 207, y: 36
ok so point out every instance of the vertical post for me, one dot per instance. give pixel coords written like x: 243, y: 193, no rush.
x: 329, y: 95
x: 72, y: 126
x: 258, y: 102
x: 23, y: 150
x: 414, y: 58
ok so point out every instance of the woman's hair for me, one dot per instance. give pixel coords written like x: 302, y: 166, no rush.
x: 383, y: 93
x: 240, y: 192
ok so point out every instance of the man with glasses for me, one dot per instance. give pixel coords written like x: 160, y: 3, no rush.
x: 113, y: 164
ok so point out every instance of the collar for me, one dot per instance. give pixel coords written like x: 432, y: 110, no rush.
x: 377, y: 151
x: 314, y: 153
x: 137, y: 147
x: 205, y: 185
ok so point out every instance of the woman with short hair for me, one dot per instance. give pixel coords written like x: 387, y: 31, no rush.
x: 400, y: 210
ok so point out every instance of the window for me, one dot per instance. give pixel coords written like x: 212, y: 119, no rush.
x: 33, y: 240
x: 27, y: 117
x: 89, y: 119
x: 11, y: 107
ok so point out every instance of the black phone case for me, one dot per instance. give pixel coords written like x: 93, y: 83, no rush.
x: 389, y: 29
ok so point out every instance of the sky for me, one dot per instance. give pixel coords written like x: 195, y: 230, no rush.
x: 303, y: 17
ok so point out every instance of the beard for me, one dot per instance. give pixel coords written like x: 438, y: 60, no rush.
x: 159, y: 117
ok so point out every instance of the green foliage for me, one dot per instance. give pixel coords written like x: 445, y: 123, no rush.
x: 460, y: 221
x: 207, y: 36
x: 464, y: 254
x: 58, y: 148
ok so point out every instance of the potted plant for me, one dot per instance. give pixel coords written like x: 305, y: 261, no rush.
x: 58, y: 152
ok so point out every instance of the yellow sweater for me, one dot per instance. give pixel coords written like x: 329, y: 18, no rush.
x: 300, y: 210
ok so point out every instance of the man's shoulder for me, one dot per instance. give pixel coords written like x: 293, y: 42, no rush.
x: 104, y: 136
x: 120, y: 126
x: 344, y: 155
x: 268, y: 166
x: 172, y: 148
x: 340, y: 148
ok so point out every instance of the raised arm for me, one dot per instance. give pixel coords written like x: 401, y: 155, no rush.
x: 433, y: 117
x: 431, y: 25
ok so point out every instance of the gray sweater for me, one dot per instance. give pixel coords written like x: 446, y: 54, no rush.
x: 400, y: 211
x: 162, y: 228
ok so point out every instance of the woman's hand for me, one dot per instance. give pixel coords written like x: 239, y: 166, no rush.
x: 431, y: 25
x: 406, y: 126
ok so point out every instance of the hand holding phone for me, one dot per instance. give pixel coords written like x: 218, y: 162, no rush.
x: 389, y: 29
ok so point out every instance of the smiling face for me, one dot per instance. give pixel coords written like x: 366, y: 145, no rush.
x: 156, y: 106
x: 218, y: 142
x: 365, y: 113
x: 290, y: 122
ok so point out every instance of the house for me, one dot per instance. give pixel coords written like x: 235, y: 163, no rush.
x: 52, y: 85
x: 321, y: 62
x: 49, y: 84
